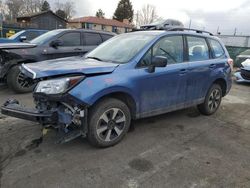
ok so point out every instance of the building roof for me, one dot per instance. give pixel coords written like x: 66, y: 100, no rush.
x: 101, y: 21
x: 38, y: 14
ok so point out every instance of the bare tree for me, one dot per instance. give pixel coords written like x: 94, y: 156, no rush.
x: 14, y: 8
x: 17, y: 8
x: 147, y: 15
x: 3, y: 8
x: 68, y: 7
x: 31, y: 6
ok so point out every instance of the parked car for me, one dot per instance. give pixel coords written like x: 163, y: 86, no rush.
x: 243, y: 75
x: 51, y: 45
x: 163, y: 24
x: 242, y: 57
x: 131, y: 76
x: 23, y: 36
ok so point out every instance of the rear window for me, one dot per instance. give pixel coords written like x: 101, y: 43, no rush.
x: 217, y: 49
x: 92, y: 39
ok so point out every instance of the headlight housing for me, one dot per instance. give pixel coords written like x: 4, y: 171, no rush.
x: 57, y: 86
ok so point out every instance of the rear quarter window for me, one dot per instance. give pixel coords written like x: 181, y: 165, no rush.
x: 217, y: 49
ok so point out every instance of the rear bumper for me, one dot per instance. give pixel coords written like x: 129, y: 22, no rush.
x: 14, y: 109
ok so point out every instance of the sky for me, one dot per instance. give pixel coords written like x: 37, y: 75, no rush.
x: 211, y: 15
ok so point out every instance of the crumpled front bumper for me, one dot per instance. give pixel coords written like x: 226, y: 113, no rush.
x: 14, y: 109
x: 69, y: 125
x: 239, y: 78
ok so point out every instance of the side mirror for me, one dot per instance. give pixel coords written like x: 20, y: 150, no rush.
x: 158, y: 61
x: 56, y: 43
x: 23, y: 38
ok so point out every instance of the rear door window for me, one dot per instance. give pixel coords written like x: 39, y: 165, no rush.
x: 217, y: 49
x: 197, y: 49
x: 106, y: 37
x: 92, y: 39
x: 71, y: 39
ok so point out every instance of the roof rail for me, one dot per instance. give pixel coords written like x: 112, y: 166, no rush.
x: 187, y: 29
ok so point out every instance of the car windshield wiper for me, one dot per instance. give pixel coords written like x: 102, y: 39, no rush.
x: 96, y: 58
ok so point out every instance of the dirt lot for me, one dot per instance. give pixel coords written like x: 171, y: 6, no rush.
x: 179, y: 149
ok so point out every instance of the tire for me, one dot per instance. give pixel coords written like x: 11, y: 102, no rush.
x: 212, y: 100
x: 104, y: 129
x: 15, y: 81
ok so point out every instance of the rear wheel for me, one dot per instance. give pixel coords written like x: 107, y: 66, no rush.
x: 109, y: 122
x: 18, y: 82
x: 212, y: 100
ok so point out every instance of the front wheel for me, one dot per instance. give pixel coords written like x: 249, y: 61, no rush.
x: 109, y: 122
x: 18, y: 82
x: 212, y: 100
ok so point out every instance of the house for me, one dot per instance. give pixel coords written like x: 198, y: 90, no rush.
x: 103, y: 24
x: 43, y: 20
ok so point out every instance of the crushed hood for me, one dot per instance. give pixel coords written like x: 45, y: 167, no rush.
x: 63, y: 66
x: 246, y: 68
x: 6, y: 40
x: 17, y: 45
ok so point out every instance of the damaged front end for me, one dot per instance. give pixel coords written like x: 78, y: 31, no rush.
x: 12, y: 54
x: 54, y: 108
x: 243, y: 75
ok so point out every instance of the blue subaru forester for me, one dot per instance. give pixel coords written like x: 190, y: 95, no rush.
x: 131, y: 76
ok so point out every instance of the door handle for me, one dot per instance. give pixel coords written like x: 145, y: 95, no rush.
x: 183, y: 71
x: 212, y: 66
x: 77, y: 49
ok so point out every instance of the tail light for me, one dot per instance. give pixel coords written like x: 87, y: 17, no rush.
x: 230, y: 62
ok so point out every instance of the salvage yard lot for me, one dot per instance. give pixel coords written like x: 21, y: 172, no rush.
x: 178, y: 149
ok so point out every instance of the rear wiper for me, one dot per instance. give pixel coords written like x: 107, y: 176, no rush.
x: 96, y: 58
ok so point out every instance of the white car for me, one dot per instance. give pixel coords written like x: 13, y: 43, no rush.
x: 243, y: 75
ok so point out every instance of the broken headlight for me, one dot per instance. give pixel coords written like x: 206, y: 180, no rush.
x: 57, y: 86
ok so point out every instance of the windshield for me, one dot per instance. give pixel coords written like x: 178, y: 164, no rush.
x: 120, y: 49
x: 45, y: 37
x: 16, y: 35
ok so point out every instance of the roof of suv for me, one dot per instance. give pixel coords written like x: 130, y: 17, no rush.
x: 185, y: 31
x: 88, y: 30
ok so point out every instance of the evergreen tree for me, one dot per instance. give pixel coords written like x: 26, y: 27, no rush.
x: 45, y: 6
x: 100, y: 14
x: 124, y: 10
x: 61, y: 14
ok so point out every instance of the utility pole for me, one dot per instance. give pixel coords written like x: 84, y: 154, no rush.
x: 218, y: 29
x: 235, y: 31
x: 137, y: 19
x: 190, y: 23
